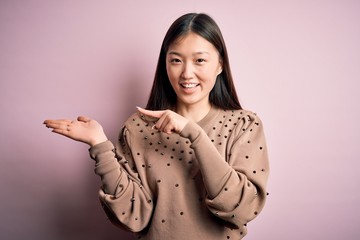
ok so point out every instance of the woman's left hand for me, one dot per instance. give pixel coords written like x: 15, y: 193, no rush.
x: 168, y: 121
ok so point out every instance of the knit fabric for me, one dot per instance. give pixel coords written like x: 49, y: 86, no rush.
x: 207, y: 182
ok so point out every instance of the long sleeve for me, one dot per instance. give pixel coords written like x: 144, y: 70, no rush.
x: 236, y: 183
x: 127, y: 202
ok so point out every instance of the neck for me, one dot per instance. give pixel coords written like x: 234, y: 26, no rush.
x: 193, y: 113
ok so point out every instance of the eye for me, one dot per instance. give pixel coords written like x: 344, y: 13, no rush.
x: 175, y: 60
x: 200, y: 60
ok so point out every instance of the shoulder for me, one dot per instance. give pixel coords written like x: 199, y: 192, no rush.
x: 138, y: 124
x: 242, y: 120
x: 239, y: 115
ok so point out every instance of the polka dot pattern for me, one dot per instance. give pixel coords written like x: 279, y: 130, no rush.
x: 168, y: 173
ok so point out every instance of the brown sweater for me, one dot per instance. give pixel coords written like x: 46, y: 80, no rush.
x: 206, y: 183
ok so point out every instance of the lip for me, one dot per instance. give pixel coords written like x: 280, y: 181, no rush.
x: 188, y: 88
x: 188, y: 85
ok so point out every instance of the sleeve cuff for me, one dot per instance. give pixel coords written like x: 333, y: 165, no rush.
x: 191, y: 131
x: 100, y: 148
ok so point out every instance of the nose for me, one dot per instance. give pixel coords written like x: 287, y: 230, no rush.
x: 187, y: 71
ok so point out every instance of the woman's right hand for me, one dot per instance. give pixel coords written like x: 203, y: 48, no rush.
x: 83, y: 130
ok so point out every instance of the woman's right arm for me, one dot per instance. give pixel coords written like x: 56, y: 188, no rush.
x: 126, y: 201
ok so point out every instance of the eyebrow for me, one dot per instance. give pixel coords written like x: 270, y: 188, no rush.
x: 196, y: 53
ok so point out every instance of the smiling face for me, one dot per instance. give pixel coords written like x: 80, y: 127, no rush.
x: 192, y: 65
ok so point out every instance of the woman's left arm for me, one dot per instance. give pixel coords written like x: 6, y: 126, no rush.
x: 236, y: 186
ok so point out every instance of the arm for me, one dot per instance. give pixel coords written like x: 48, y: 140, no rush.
x: 127, y: 202
x: 236, y: 186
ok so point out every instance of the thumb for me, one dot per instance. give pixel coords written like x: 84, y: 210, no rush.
x: 83, y: 119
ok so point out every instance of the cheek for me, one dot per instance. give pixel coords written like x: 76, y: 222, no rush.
x: 209, y: 75
x: 171, y: 76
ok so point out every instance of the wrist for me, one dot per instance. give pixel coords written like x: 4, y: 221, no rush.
x: 98, y: 140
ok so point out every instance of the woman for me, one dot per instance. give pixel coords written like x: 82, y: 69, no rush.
x: 194, y: 164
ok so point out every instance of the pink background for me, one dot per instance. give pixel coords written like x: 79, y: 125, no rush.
x: 296, y: 63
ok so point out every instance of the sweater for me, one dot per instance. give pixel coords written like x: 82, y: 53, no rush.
x: 207, y: 182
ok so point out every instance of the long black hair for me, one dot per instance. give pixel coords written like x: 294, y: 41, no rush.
x: 223, y: 94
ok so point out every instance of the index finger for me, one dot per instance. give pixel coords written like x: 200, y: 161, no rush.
x: 150, y: 113
x: 47, y: 121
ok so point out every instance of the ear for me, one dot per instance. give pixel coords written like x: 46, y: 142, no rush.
x: 220, y: 67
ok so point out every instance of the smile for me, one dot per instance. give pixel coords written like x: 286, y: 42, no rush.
x: 189, y: 85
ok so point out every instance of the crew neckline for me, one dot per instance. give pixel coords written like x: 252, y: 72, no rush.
x: 210, y: 115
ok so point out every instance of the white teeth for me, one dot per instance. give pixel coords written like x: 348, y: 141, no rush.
x: 189, y: 85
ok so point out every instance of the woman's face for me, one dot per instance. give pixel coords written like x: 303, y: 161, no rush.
x: 192, y: 65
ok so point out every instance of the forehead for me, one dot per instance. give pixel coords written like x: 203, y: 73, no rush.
x: 191, y: 42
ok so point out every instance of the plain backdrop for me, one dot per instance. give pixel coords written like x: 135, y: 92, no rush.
x: 296, y: 64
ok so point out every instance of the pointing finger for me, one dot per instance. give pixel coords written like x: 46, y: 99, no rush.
x: 155, y: 114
